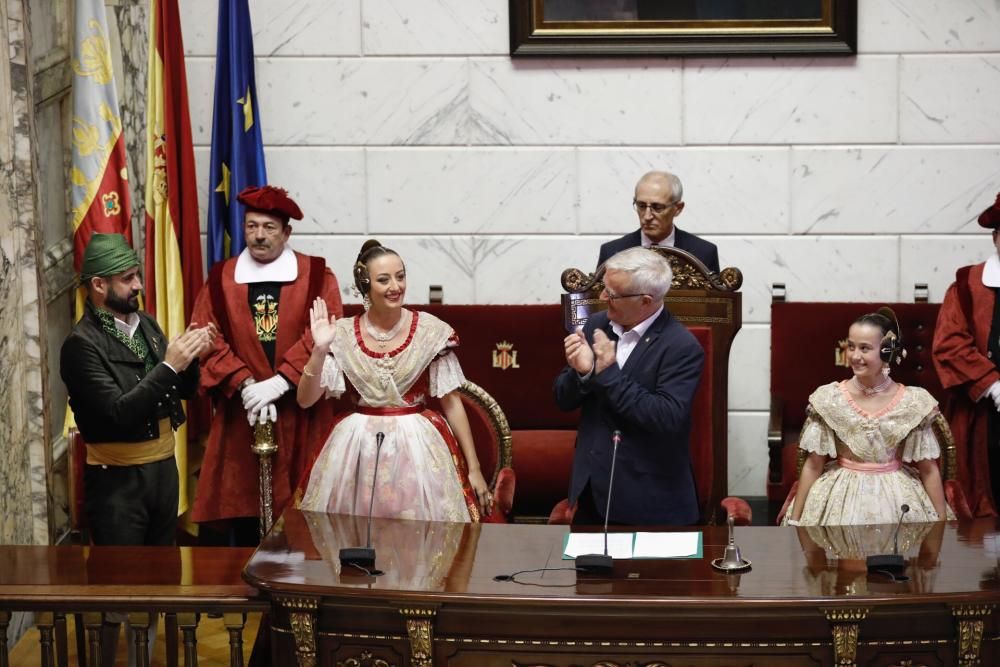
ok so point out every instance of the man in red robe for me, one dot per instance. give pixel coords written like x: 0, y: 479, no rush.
x: 966, y: 356
x: 260, y: 303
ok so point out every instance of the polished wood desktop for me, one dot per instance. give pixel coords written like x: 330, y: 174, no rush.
x: 808, y: 599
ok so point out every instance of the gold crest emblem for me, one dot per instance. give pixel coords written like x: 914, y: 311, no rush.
x: 505, y: 356
x: 111, y: 204
x: 840, y: 354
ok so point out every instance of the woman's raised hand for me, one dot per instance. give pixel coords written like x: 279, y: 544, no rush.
x: 321, y: 324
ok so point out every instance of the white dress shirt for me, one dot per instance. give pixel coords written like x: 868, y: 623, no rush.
x: 665, y: 243
x: 627, y: 340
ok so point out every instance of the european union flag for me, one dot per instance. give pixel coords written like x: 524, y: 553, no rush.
x: 237, y: 147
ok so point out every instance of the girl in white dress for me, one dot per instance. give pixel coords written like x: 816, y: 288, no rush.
x: 388, y: 362
x: 871, y: 448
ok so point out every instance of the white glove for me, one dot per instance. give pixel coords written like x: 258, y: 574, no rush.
x: 261, y: 393
x: 994, y: 393
x: 266, y: 413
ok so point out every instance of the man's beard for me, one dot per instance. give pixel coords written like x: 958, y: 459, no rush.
x: 126, y: 306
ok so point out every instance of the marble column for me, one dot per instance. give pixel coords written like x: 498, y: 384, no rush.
x: 132, y: 19
x: 24, y: 458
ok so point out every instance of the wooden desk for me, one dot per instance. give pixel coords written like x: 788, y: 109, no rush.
x: 438, y: 602
x: 140, y: 581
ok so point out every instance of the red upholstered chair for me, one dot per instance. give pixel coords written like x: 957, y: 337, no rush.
x: 491, y: 434
x: 710, y: 305
x: 805, y: 339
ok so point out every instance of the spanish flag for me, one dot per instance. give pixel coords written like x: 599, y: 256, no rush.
x: 173, y: 247
x: 99, y: 194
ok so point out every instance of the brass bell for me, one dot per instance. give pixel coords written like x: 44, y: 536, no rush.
x: 732, y: 560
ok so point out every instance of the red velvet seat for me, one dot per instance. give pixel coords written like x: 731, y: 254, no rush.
x: 710, y: 305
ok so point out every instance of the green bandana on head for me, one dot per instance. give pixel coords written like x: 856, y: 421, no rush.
x: 107, y: 255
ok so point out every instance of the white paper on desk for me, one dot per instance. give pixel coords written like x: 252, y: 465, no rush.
x: 619, y: 544
x: 665, y: 545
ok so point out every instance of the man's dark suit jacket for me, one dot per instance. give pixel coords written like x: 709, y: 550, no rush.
x: 649, y: 401
x: 697, y: 246
x: 112, y: 396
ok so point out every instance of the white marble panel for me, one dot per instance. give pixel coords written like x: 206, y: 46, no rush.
x: 525, y: 269
x: 814, y: 268
x: 750, y: 368
x: 747, y: 454
x: 892, y: 189
x: 790, y: 100
x: 949, y: 99
x: 436, y: 260
x: 435, y: 27
x: 934, y: 260
x: 471, y: 191
x: 726, y: 190
x: 915, y: 26
x: 575, y: 102
x: 286, y: 28
x: 328, y: 184
x: 335, y: 101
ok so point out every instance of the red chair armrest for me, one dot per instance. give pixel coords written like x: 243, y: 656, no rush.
x: 562, y: 513
x: 955, y: 497
x: 739, y: 509
x: 503, y: 497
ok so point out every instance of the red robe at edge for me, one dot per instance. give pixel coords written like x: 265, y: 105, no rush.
x: 228, y: 482
x: 966, y: 372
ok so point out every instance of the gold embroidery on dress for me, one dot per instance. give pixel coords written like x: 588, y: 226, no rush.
x: 265, y: 317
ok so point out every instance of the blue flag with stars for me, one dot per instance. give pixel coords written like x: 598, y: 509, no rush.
x: 237, y: 147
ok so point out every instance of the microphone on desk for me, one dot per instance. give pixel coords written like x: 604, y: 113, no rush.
x: 364, y: 557
x: 603, y: 563
x: 893, y: 563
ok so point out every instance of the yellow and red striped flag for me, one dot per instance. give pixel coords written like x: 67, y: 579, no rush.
x: 99, y: 194
x: 173, y: 247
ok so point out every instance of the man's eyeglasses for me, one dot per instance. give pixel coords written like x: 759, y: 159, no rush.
x: 656, y: 207
x: 611, y: 296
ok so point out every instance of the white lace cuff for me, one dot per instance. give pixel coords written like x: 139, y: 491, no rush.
x: 817, y: 437
x: 921, y: 443
x: 445, y: 374
x: 332, y: 377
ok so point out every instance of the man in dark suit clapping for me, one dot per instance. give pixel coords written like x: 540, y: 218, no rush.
x: 659, y: 198
x: 633, y: 368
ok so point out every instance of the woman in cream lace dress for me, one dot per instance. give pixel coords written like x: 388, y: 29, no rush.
x: 387, y: 363
x: 871, y: 448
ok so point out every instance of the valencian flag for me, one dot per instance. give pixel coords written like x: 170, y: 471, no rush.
x: 237, y: 147
x: 173, y: 246
x: 99, y: 194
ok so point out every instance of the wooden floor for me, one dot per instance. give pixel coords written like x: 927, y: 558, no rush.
x: 213, y: 645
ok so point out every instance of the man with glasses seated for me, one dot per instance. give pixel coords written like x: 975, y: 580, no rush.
x: 634, y: 369
x: 659, y: 198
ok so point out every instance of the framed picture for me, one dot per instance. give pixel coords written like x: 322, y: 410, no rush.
x: 682, y: 27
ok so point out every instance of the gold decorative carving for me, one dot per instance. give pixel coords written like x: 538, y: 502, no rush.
x: 421, y: 633
x: 970, y: 631
x: 265, y: 446
x: 908, y: 663
x: 498, y: 420
x: 305, y: 638
x: 366, y: 659
x: 731, y: 278
x: 845, y: 633
x: 576, y: 281
x: 302, y: 619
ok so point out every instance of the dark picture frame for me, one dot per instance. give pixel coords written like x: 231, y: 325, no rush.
x: 683, y: 27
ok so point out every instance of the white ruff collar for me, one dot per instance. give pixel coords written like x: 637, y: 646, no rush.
x: 284, y: 269
x: 991, y: 272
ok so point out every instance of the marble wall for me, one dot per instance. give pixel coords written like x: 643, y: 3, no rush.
x: 846, y: 178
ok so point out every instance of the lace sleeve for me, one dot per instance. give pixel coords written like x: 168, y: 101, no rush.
x: 445, y: 372
x: 817, y: 437
x: 921, y: 443
x: 332, y: 377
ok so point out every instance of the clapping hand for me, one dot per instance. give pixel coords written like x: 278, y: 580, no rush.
x: 190, y: 345
x: 579, y: 356
x: 321, y: 323
x: 605, y: 350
